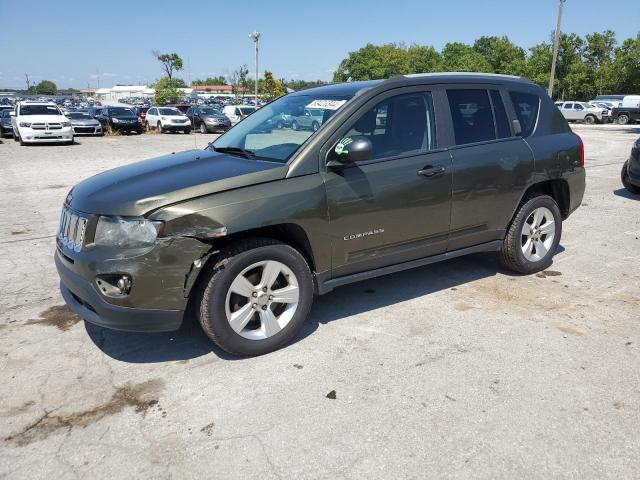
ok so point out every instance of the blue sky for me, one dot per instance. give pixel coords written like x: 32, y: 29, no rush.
x: 75, y: 42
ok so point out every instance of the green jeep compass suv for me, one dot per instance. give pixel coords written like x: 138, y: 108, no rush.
x: 400, y: 173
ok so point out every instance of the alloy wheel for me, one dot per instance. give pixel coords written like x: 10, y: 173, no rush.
x: 538, y: 233
x: 262, y: 300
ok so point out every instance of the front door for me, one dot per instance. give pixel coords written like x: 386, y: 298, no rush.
x: 394, y: 207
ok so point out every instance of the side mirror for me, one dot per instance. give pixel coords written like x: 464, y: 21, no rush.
x: 517, y: 128
x: 353, y: 149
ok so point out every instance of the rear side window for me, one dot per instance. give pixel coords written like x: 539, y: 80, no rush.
x: 502, y: 121
x: 471, y: 115
x: 526, y: 106
x: 558, y: 122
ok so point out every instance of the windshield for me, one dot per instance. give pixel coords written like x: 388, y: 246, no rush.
x: 121, y: 111
x: 247, y: 110
x: 84, y: 116
x: 265, y: 136
x: 169, y: 111
x: 39, y: 110
x: 210, y: 111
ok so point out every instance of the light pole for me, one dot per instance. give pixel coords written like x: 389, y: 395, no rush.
x: 556, y: 46
x: 255, y: 36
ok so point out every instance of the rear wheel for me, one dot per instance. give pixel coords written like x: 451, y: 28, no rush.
x: 294, y: 125
x: 315, y: 126
x: 623, y: 119
x: 256, y: 297
x: 533, y: 236
x: 625, y: 180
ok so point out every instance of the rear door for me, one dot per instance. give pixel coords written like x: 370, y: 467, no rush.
x: 394, y: 207
x: 491, y: 165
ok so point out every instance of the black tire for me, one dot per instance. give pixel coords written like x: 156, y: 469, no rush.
x: 203, y: 128
x: 623, y: 119
x: 187, y: 131
x: 315, y: 126
x: 624, y: 175
x: 159, y: 127
x: 279, y: 125
x: 589, y: 119
x: 147, y: 127
x: 511, y: 255
x: 139, y: 131
x: 222, y: 271
x: 110, y: 129
x: 22, y: 144
x: 294, y: 125
x: 16, y: 137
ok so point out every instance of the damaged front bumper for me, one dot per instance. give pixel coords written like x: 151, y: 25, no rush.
x: 161, y: 278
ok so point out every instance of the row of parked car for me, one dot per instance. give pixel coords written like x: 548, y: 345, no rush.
x: 622, y: 111
x: 33, y: 122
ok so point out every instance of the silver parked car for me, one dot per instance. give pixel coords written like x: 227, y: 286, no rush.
x: 311, y: 118
x: 583, y: 112
x: 84, y: 124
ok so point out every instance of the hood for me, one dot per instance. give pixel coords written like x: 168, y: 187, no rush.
x: 139, y: 188
x: 43, y: 118
x: 84, y: 121
x: 125, y: 117
x: 215, y: 117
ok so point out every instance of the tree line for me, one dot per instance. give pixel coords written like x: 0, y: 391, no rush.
x: 595, y: 64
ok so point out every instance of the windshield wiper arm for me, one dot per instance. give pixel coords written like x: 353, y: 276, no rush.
x: 236, y: 150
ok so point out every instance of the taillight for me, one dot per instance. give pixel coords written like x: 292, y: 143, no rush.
x: 581, y: 153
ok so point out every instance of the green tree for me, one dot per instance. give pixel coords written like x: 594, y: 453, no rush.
x: 219, y: 80
x: 270, y: 87
x: 459, y: 57
x: 372, y: 62
x: 239, y: 81
x: 166, y: 91
x: 625, y: 69
x: 170, y: 63
x: 45, y: 87
x: 423, y: 59
x: 503, y: 55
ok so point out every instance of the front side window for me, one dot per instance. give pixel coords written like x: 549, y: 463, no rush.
x: 526, y: 106
x: 259, y: 137
x: 472, y: 116
x: 400, y: 125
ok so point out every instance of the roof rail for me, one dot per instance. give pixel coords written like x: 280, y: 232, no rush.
x: 480, y: 74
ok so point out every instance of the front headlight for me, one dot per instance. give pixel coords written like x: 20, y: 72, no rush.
x: 115, y: 120
x: 25, y: 124
x: 126, y: 232
x: 66, y: 124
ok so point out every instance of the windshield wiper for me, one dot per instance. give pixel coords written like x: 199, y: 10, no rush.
x: 235, y: 151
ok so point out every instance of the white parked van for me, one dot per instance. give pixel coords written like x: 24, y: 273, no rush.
x: 235, y: 113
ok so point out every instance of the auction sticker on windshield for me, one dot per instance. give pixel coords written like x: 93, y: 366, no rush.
x: 327, y: 104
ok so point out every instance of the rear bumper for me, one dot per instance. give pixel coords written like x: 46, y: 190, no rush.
x: 82, y: 298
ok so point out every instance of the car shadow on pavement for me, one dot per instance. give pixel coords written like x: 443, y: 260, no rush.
x: 191, y: 342
x: 623, y: 192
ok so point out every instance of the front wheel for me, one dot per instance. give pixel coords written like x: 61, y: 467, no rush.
x: 589, y: 119
x: 631, y: 188
x: 533, y: 236
x: 256, y: 296
x: 294, y: 125
x: 187, y: 131
x: 203, y: 128
x: 315, y: 126
x: 159, y: 126
x: 147, y: 127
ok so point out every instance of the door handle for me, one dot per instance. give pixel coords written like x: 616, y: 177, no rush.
x: 431, y: 171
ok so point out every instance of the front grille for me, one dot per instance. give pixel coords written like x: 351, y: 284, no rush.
x: 39, y: 126
x: 178, y: 120
x: 72, y: 229
x: 54, y: 126
x: 84, y: 129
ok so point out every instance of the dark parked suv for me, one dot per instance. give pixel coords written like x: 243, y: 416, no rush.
x: 119, y: 119
x: 401, y: 173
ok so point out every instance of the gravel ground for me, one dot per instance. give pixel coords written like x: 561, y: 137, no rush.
x: 456, y: 370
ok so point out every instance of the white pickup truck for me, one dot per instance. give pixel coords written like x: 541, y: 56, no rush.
x: 40, y: 122
x: 583, y: 112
